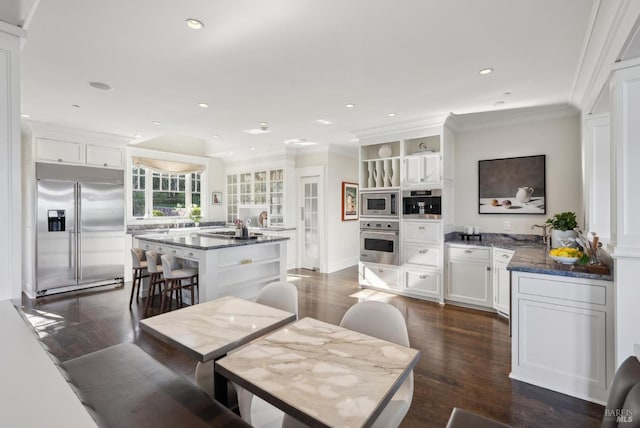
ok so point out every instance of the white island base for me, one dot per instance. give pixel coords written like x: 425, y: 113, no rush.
x: 225, y: 267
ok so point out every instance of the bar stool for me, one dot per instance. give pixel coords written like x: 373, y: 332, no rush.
x: 174, y: 274
x: 156, y: 280
x: 139, y: 268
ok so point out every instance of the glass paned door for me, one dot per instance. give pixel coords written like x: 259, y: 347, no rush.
x: 232, y: 198
x: 310, y: 223
x: 276, y: 197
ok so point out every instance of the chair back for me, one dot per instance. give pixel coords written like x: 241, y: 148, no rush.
x: 153, y: 260
x: 280, y: 295
x: 169, y: 263
x: 377, y: 319
x: 137, y: 257
x: 623, y: 404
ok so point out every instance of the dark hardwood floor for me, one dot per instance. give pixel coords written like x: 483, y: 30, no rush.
x: 465, y: 358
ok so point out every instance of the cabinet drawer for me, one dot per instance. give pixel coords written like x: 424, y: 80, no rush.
x: 380, y: 276
x: 474, y: 254
x: 427, y: 283
x: 565, y: 289
x: 422, y: 232
x: 147, y: 246
x: 422, y: 255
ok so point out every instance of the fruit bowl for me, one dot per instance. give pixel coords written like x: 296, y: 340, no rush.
x: 565, y: 260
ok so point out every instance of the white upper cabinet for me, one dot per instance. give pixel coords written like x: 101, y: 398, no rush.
x: 60, y: 151
x: 422, y: 170
x: 68, y: 152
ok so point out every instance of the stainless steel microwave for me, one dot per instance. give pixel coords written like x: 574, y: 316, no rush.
x: 379, y: 204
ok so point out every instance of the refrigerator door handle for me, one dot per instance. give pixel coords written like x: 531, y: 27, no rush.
x: 79, y: 232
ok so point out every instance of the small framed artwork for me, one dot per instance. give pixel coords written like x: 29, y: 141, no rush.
x: 349, y: 201
x: 512, y: 185
x: 216, y: 198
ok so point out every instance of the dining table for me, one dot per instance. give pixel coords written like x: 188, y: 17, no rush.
x: 321, y: 374
x: 209, y: 330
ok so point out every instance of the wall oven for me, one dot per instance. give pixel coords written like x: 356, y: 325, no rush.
x: 426, y: 204
x: 379, y: 242
x: 379, y: 204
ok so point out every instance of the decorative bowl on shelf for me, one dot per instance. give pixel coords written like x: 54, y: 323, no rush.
x: 384, y: 151
x: 565, y: 260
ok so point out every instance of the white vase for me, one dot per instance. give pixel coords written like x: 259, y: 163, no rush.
x: 560, y: 238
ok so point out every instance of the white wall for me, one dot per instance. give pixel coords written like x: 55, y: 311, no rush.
x: 557, y: 138
x: 343, y: 236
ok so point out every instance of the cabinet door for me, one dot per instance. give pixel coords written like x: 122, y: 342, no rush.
x: 276, y: 197
x: 502, y: 287
x: 426, y: 283
x: 413, y: 170
x: 60, y: 151
x: 379, y: 276
x: 232, y: 198
x: 260, y: 187
x: 246, y: 188
x: 431, y: 168
x: 422, y: 255
x: 469, y: 282
x: 107, y: 157
x: 422, y: 232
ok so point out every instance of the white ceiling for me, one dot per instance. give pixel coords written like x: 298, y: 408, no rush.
x: 291, y: 62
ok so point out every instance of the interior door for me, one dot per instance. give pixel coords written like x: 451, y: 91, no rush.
x: 310, y: 222
x: 56, y: 235
x: 101, y: 243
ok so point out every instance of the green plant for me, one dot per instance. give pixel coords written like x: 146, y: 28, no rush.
x: 195, y: 213
x: 158, y: 213
x: 563, y: 221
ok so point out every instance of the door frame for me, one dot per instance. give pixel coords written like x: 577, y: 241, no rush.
x: 312, y: 171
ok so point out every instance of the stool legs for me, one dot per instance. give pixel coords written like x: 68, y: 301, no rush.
x: 155, y: 280
x: 175, y: 284
x: 135, y: 285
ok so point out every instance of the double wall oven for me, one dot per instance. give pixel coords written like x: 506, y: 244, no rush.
x: 379, y: 241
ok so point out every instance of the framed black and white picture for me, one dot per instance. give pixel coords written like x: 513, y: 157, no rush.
x: 512, y: 185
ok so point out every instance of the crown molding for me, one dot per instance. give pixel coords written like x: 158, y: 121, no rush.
x: 404, y: 126
x: 13, y: 30
x: 54, y: 131
x: 504, y: 118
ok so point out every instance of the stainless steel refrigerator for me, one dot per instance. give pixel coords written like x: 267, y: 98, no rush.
x: 80, y: 227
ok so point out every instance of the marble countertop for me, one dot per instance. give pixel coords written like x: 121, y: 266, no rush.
x: 144, y: 231
x: 202, y: 240
x: 532, y: 256
x: 211, y: 329
x: 322, y: 374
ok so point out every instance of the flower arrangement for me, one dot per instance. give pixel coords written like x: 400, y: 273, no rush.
x: 195, y: 213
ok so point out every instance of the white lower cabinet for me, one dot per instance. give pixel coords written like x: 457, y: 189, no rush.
x: 426, y: 283
x: 469, y: 276
x: 562, y: 334
x: 501, y: 281
x: 379, y: 276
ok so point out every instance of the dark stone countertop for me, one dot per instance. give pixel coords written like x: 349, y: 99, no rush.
x: 201, y: 240
x: 531, y: 255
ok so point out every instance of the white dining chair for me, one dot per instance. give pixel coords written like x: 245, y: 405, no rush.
x: 384, y: 321
x: 280, y: 295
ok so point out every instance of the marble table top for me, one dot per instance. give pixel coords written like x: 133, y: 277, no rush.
x: 321, y: 374
x: 210, y: 329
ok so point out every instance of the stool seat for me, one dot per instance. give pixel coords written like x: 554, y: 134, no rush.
x: 174, y: 275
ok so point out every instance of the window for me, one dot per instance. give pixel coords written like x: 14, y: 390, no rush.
x: 166, y: 195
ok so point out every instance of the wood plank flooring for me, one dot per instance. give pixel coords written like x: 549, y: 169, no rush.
x: 465, y: 358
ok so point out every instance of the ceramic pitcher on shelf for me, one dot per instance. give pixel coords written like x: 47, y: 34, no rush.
x: 524, y: 194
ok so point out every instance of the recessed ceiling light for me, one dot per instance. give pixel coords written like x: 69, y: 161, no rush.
x: 137, y: 136
x: 230, y: 153
x: 253, y: 149
x: 391, y: 114
x: 507, y: 93
x: 215, y: 136
x: 26, y: 116
x: 203, y: 105
x: 101, y: 86
x: 349, y: 105
x: 355, y: 140
x: 264, y: 126
x: 75, y: 106
x: 485, y: 71
x: 156, y: 123
x: 300, y: 142
x: 194, y: 24
x: 324, y: 121
x: 257, y: 131
x: 498, y: 103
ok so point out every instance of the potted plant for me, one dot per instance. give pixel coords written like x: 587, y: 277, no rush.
x: 562, y: 225
x: 195, y: 214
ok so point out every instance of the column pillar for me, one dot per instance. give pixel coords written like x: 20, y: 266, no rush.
x: 10, y: 164
x: 625, y: 203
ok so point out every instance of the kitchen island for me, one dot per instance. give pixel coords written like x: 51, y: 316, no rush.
x: 227, y: 266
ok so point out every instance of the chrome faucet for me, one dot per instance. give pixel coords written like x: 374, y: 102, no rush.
x: 545, y: 235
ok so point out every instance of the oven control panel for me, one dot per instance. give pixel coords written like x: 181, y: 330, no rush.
x: 379, y: 225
